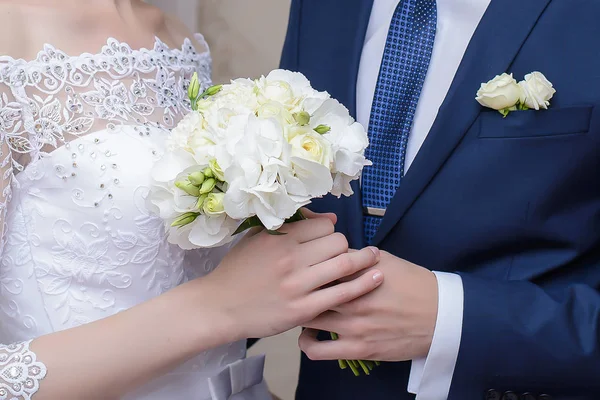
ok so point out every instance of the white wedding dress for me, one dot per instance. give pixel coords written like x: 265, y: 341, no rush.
x: 79, y: 134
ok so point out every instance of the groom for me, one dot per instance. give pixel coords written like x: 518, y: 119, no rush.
x: 506, y: 211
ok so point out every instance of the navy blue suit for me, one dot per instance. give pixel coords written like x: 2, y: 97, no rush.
x: 512, y: 205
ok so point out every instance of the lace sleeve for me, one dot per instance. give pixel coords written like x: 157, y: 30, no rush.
x: 9, y: 121
x: 20, y: 371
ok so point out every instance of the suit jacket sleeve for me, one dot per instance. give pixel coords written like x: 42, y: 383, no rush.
x: 517, y: 336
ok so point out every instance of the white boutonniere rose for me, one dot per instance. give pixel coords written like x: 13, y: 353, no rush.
x: 505, y: 94
x: 500, y: 93
x: 536, y: 91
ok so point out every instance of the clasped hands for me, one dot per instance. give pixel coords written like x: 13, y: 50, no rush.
x: 394, y: 322
x: 382, y: 307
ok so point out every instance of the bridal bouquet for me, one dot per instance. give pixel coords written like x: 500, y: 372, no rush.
x: 252, y: 153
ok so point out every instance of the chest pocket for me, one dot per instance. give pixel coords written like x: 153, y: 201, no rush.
x: 532, y: 123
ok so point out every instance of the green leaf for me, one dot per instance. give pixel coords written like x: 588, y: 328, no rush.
x: 249, y: 223
x: 296, y: 217
x: 275, y: 233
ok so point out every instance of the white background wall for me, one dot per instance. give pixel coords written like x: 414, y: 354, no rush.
x: 186, y: 10
x: 245, y: 37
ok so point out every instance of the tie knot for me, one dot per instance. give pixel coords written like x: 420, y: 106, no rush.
x: 421, y: 11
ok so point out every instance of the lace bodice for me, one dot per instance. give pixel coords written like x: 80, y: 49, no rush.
x: 78, y: 135
x: 57, y: 97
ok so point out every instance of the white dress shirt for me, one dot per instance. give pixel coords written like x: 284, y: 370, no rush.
x: 457, y: 20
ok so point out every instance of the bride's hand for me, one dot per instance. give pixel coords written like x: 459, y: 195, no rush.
x: 268, y: 284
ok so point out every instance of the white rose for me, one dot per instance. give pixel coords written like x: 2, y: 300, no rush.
x: 195, y: 135
x: 190, y: 130
x: 312, y: 146
x: 239, y: 93
x: 236, y: 98
x: 278, y: 91
x: 213, y: 205
x: 500, y: 93
x: 275, y: 110
x: 295, y: 81
x: 288, y: 88
x: 536, y: 91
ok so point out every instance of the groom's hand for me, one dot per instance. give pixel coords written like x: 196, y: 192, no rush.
x: 393, y: 323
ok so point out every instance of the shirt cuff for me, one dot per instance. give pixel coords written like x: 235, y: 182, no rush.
x: 430, y: 378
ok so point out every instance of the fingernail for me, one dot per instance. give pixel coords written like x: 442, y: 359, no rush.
x: 375, y: 251
x: 378, y: 277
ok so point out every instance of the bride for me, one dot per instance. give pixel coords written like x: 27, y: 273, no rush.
x: 94, y: 303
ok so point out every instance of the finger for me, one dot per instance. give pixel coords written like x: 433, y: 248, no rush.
x: 308, y: 229
x: 325, y: 248
x: 331, y: 297
x: 343, y: 265
x: 341, y: 349
x: 354, y: 276
x: 329, y: 321
x: 311, y: 214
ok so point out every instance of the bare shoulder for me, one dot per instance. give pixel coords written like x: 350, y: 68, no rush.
x: 168, y: 27
x: 179, y: 31
x: 14, y: 39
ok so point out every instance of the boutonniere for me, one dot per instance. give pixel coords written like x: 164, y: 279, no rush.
x: 505, y: 94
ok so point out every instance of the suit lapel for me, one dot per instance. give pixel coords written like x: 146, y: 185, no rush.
x: 349, y: 32
x: 491, y: 51
x: 332, y: 47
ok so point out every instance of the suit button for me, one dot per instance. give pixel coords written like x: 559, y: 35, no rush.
x: 510, y: 396
x: 528, y: 396
x: 545, y: 397
x: 492, y: 395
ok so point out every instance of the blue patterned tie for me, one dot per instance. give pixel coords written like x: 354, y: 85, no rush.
x: 402, y: 73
